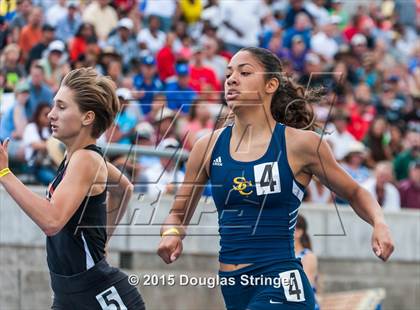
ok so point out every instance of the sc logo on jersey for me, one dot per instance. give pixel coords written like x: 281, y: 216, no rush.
x: 242, y: 185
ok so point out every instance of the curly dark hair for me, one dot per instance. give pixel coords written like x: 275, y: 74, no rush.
x: 291, y: 104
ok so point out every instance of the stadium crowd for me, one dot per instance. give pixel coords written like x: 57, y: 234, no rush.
x: 168, y: 60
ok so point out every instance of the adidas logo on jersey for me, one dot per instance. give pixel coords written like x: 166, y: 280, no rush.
x: 218, y: 161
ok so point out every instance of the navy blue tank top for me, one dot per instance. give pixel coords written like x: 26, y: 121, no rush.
x: 257, y: 202
x: 74, y: 249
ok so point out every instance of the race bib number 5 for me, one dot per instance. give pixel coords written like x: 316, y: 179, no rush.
x: 110, y: 300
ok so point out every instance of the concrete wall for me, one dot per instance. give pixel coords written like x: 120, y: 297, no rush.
x: 346, y: 260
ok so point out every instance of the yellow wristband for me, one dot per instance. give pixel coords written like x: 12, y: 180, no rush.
x: 4, y: 172
x: 171, y: 231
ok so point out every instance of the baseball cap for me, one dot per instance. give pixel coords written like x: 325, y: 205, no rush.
x: 72, y: 4
x: 148, y: 60
x: 22, y: 86
x: 182, y: 69
x: 297, y: 38
x: 312, y: 58
x: 144, y: 130
x: 56, y: 46
x: 169, y: 143
x: 124, y: 93
x: 358, y: 39
x: 163, y: 114
x: 125, y: 23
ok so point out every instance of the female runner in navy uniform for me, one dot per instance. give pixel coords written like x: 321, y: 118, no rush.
x: 77, y: 210
x: 259, y: 168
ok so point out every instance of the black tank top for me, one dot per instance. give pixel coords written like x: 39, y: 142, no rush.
x: 81, y: 242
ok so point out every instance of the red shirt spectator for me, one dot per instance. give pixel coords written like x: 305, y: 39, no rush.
x: 201, y: 76
x: 77, y: 47
x: 361, y: 116
x: 166, y: 59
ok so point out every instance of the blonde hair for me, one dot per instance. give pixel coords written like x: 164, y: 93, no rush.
x: 10, y: 48
x: 96, y: 93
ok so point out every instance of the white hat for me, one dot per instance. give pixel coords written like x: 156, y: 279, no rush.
x: 56, y: 45
x: 312, y: 58
x: 358, y: 39
x: 334, y: 19
x: 168, y: 143
x: 355, y: 147
x: 163, y: 114
x: 125, y: 23
x: 145, y: 130
x: 124, y: 93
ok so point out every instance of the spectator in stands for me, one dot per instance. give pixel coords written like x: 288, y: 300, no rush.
x: 125, y: 121
x: 31, y: 34
x: 147, y: 84
x: 14, y: 120
x: 56, y: 11
x: 301, y: 27
x: 102, y: 16
x: 4, y: 32
x: 324, y: 42
x: 124, y: 42
x: 377, y: 140
x: 338, y: 136
x: 36, y: 52
x: 381, y: 187
x: 165, y: 13
x: 240, y: 28
x: 202, y: 77
x: 115, y: 71
x: 410, y: 188
x: 39, y: 90
x: 313, y: 68
x: 23, y: 10
x: 362, y: 111
x: 179, y: 94
x: 35, y: 142
x: 165, y: 177
x: 296, y: 7
x: 190, y: 10
x: 316, y: 192
x: 212, y: 59
x: 337, y: 9
x: 10, y: 66
x: 392, y: 104
x: 412, y: 152
x: 199, y: 123
x: 78, y: 44
x: 166, y: 58
x: 145, y: 136
x: 68, y: 25
x: 303, y: 251
x: 151, y: 38
x: 296, y: 54
x: 165, y: 124
x: 54, y: 64
x: 353, y: 162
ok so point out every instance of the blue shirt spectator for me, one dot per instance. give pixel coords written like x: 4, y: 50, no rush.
x: 179, y: 94
x: 38, y: 90
x: 148, y: 83
x: 67, y: 26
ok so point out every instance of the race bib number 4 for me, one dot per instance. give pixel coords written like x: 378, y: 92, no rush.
x: 267, y: 178
x: 292, y: 285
